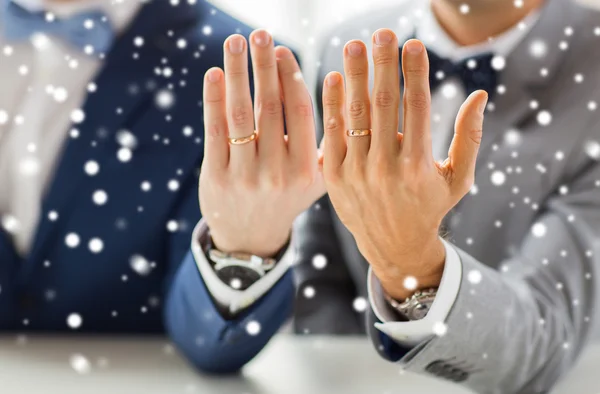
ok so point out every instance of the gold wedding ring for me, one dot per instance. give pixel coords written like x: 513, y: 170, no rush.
x: 243, y: 140
x: 358, y: 132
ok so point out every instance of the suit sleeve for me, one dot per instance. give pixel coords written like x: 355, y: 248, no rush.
x: 211, y: 342
x: 519, y: 329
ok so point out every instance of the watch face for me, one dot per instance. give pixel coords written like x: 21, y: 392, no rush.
x: 237, y: 277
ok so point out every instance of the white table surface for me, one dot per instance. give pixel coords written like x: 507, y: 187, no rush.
x: 289, y: 365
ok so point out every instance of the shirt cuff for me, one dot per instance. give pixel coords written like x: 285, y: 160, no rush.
x: 224, y: 295
x: 411, y: 333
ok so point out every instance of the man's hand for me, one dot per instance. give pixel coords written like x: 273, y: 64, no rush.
x: 251, y: 193
x: 386, y: 188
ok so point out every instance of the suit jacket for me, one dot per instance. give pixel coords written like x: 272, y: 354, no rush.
x: 533, y: 237
x: 145, y: 279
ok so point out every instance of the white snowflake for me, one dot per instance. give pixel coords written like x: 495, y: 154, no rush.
x: 498, y: 178
x: 410, y: 283
x: 77, y: 116
x: 124, y: 155
x: 309, y: 292
x: 74, y: 321
x: 80, y: 364
x: 319, y: 261
x: 100, y: 197
x: 538, y: 48
x: 360, y: 304
x: 474, y: 276
x: 544, y: 118
x: 72, y: 240
x: 140, y: 265
x: 96, y: 245
x: 539, y: 230
x: 440, y: 329
x: 253, y: 328
x: 592, y: 149
x: 91, y: 167
x: 164, y: 99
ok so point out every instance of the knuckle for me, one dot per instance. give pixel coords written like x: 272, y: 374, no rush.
x: 355, y: 72
x: 418, y: 101
x: 236, y: 72
x: 476, y: 135
x: 333, y: 124
x: 270, y: 106
x: 416, y: 72
x: 304, y: 110
x: 241, y: 115
x: 247, y: 183
x: 265, y: 64
x: 357, y: 110
x: 386, y: 99
x: 384, y: 59
x: 274, y: 181
x: 332, y: 101
x: 214, y: 130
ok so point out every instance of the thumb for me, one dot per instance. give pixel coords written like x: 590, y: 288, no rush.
x: 468, y: 131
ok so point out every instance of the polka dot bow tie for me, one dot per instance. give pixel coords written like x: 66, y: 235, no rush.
x: 90, y: 32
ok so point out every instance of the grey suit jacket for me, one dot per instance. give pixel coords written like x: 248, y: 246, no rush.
x: 535, y: 238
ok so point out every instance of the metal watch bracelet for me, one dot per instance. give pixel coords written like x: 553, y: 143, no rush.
x: 416, y: 306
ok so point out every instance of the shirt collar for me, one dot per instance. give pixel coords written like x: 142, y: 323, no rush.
x: 435, y: 38
x: 119, y: 12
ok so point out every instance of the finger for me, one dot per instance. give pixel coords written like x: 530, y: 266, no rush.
x: 333, y: 122
x: 386, y: 91
x: 466, y: 141
x: 267, y: 96
x: 358, y: 104
x: 239, y: 102
x: 299, y: 118
x: 216, y: 146
x: 417, y: 103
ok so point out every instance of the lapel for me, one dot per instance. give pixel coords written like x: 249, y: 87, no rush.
x: 523, y: 75
x: 119, y: 72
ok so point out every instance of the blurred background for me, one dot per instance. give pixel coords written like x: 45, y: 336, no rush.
x: 300, y: 23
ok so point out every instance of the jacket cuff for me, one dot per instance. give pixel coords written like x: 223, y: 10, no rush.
x: 223, y: 294
x: 411, y: 333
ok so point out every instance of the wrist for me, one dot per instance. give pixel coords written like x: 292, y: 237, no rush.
x: 412, y: 272
x: 265, y: 247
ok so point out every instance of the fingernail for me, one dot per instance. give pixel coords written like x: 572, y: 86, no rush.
x: 354, y: 49
x: 414, y: 47
x: 236, y: 45
x: 332, y: 79
x: 383, y: 37
x: 213, y: 76
x: 261, y: 38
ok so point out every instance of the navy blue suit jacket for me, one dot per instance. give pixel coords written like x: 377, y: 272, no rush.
x: 39, y: 292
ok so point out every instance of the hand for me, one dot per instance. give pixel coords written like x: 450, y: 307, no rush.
x: 386, y: 188
x: 250, y: 194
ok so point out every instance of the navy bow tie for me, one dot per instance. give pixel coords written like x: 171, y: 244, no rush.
x: 474, y: 73
x: 88, y: 31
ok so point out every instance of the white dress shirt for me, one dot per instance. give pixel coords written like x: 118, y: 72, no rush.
x: 43, y: 82
x: 446, y: 102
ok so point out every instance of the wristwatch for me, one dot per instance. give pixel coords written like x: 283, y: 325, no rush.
x: 416, y: 306
x: 240, y: 270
